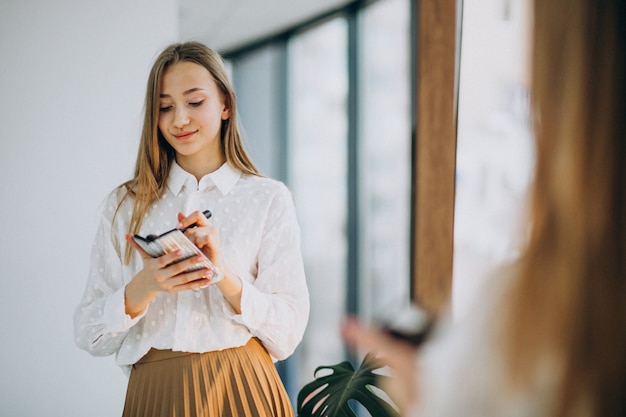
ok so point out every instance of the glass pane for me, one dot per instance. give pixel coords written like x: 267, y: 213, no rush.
x: 318, y: 89
x: 494, y: 148
x: 255, y: 79
x: 385, y: 156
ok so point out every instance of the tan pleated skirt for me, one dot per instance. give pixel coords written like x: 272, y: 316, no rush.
x: 240, y: 381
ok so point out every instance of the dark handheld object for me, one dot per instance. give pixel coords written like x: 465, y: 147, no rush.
x: 175, y: 239
x: 415, y: 337
x: 207, y: 214
x: 411, y: 325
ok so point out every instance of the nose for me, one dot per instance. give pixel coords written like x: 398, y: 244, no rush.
x: 181, y: 118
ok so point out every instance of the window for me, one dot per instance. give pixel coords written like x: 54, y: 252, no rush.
x: 384, y: 174
x: 494, y: 146
x: 327, y: 108
x: 257, y: 75
x: 318, y: 167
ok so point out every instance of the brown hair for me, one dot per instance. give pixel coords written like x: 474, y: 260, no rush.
x: 568, y: 302
x: 155, y: 155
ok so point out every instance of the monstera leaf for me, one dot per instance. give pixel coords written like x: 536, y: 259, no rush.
x: 328, y: 395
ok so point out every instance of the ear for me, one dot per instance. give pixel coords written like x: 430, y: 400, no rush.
x: 226, y: 109
x: 226, y: 113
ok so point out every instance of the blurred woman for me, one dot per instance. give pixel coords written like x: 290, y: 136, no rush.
x: 549, y: 335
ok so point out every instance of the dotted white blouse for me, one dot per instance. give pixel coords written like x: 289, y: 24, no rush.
x: 260, y: 243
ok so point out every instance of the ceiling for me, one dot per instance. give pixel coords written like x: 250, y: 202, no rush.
x: 225, y: 25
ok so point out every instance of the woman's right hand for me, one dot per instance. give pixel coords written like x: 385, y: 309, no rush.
x: 156, y: 276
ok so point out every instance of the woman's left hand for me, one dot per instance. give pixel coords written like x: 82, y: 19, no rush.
x: 205, y: 236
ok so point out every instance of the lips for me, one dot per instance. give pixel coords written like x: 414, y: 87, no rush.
x: 184, y: 135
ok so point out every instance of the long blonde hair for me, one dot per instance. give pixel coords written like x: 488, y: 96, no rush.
x: 155, y: 155
x: 569, y: 298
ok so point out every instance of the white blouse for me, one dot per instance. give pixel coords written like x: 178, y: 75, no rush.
x: 260, y: 243
x: 462, y: 369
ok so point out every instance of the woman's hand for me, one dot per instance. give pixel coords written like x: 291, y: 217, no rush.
x: 399, y: 356
x: 160, y: 275
x: 206, y: 237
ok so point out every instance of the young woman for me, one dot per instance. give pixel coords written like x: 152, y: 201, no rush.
x: 550, y: 340
x: 195, y: 347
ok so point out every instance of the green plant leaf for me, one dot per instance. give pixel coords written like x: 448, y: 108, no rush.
x: 329, y: 395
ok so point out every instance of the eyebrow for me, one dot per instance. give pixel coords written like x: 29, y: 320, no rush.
x: 191, y: 90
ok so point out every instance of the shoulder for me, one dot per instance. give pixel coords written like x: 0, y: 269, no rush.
x: 117, y: 202
x: 117, y: 196
x: 265, y: 186
x: 262, y: 181
x: 268, y: 195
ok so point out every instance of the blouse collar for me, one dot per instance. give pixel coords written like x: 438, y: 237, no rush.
x: 224, y: 178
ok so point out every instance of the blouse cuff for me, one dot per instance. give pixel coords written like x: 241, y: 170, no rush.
x: 115, y: 315
x: 254, y: 307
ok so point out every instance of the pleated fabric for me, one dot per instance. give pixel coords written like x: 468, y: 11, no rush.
x: 241, y: 381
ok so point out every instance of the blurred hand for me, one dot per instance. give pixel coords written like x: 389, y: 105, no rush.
x: 399, y: 356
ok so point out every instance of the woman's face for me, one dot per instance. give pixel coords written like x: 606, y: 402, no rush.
x: 191, y: 111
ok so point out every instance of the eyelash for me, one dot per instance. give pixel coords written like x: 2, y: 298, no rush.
x: 192, y: 104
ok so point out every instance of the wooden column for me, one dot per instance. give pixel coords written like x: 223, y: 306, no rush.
x: 435, y: 152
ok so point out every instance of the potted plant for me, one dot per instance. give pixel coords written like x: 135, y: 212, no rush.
x: 331, y: 394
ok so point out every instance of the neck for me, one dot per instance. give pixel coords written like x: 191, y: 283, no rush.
x: 199, y: 167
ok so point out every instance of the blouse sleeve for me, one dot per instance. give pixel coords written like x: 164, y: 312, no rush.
x: 463, y: 368
x: 275, y: 307
x: 100, y: 320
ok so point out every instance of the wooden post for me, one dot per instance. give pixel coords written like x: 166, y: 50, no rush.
x: 435, y: 152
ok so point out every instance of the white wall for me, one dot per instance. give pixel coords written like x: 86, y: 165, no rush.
x: 72, y: 80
